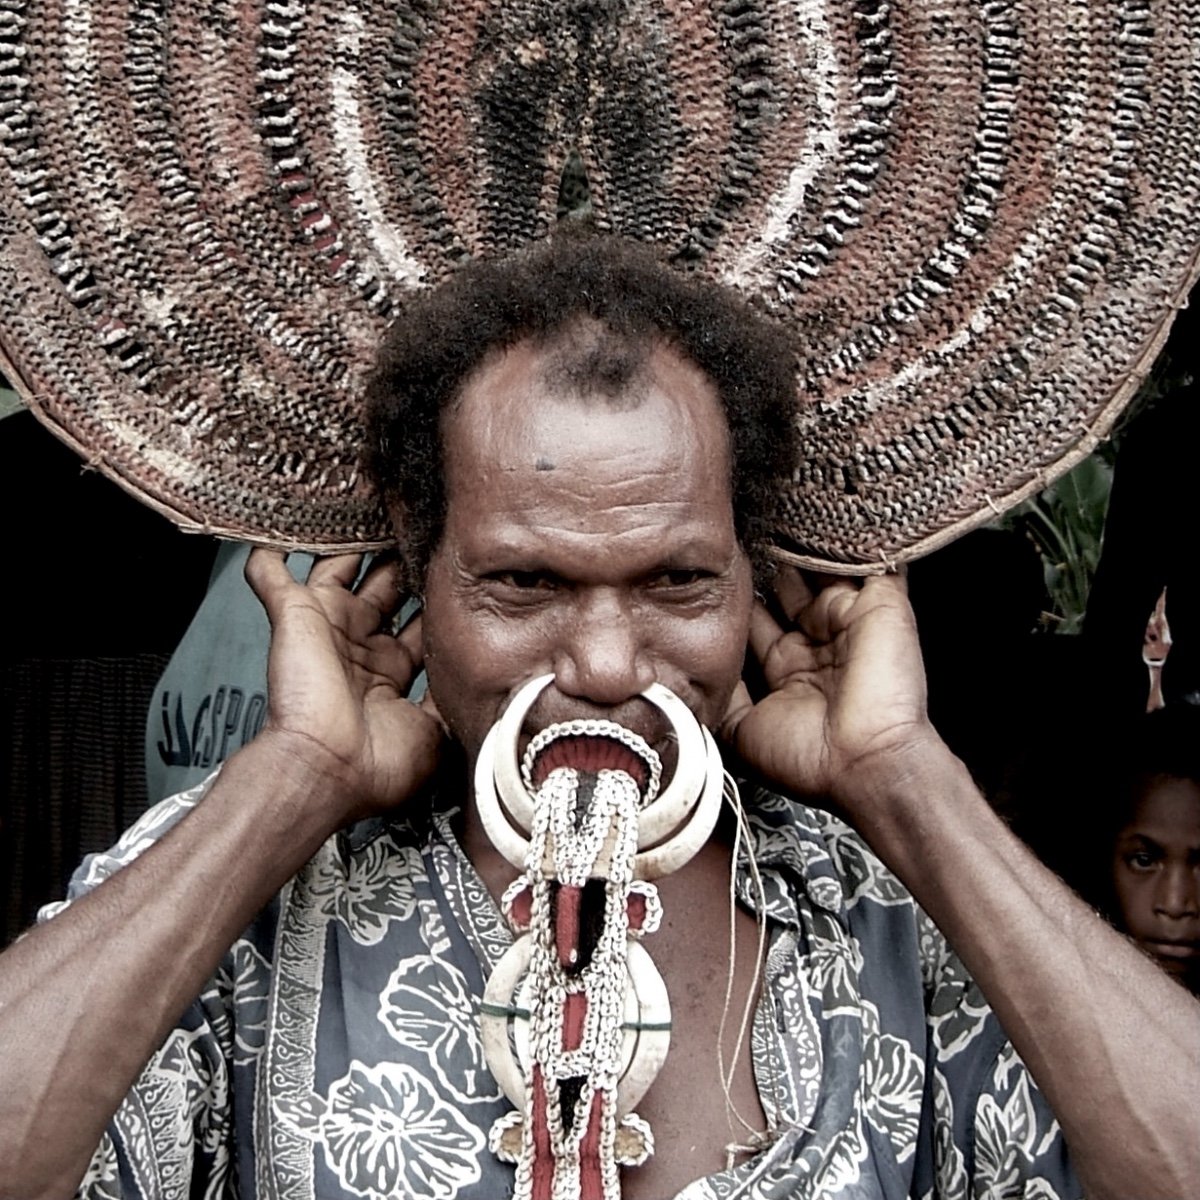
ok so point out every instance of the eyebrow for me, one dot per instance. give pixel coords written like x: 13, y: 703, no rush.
x: 1136, y: 836
x: 533, y: 552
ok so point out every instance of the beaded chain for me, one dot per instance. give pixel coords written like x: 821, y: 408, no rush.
x: 577, y: 910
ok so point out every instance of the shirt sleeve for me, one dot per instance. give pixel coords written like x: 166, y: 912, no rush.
x: 171, y: 1139
x: 151, y: 826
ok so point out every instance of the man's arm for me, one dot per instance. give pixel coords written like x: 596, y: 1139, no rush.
x: 86, y: 998
x: 1113, y: 1043
x: 1111, y: 1040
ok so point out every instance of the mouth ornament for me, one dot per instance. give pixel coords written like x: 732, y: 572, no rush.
x: 575, y: 1019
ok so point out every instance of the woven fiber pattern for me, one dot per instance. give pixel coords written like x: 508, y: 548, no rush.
x: 979, y: 217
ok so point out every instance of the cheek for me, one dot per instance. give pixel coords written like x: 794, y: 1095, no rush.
x: 723, y: 645
x: 720, y: 651
x: 479, y: 674
x: 1133, y: 894
x: 705, y: 655
x: 475, y: 662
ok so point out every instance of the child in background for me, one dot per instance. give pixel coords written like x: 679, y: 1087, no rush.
x: 1151, y: 832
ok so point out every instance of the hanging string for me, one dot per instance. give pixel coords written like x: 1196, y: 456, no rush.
x: 758, y: 1138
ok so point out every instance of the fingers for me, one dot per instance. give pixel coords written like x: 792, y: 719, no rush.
x: 814, y: 604
x: 267, y: 570
x: 803, y: 603
x: 338, y: 570
x: 380, y: 586
x: 796, y: 591
x: 765, y: 631
x: 829, y: 612
x: 818, y: 609
x: 740, y: 703
x: 267, y: 574
x: 792, y: 591
x: 409, y: 639
x: 427, y: 705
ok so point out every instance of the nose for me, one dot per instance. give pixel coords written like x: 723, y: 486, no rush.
x: 1179, y: 892
x: 602, y: 656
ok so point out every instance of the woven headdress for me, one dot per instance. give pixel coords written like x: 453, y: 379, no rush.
x: 982, y: 216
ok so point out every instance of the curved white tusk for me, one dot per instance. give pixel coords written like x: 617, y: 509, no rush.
x: 646, y: 1003
x: 675, y: 851
x: 499, y: 787
x: 500, y: 993
x: 506, y: 768
x: 511, y: 844
x: 668, y: 811
x: 653, y: 1008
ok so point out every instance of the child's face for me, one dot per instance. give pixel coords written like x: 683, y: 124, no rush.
x: 1156, y: 874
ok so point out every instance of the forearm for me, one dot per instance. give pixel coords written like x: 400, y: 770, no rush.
x: 86, y: 998
x: 1113, y: 1043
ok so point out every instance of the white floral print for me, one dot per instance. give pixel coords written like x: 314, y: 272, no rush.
x: 335, y: 1054
x: 385, y: 1133
x: 426, y: 1007
x: 372, y: 889
x: 894, y: 1075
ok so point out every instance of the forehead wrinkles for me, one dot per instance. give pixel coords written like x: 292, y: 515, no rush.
x: 640, y: 502
x: 512, y: 420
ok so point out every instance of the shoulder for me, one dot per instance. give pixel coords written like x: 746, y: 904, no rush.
x: 148, y: 829
x: 832, y: 866
x: 832, y: 860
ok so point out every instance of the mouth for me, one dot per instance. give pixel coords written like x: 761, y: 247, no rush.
x: 591, y: 750
x: 1176, y: 950
x: 637, y: 716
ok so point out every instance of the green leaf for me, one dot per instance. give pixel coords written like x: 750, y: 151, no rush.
x: 1066, y: 524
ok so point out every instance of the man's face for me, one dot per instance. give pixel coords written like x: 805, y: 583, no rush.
x: 588, y: 540
x: 1156, y: 874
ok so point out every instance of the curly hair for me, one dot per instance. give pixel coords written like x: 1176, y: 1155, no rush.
x: 440, y: 337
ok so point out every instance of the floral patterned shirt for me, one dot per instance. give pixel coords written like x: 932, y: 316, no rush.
x: 336, y: 1054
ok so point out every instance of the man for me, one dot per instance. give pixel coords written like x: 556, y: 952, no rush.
x: 602, y: 515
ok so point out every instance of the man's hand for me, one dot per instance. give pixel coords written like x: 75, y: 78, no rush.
x: 846, y: 706
x: 341, y: 741
x: 845, y: 719
x: 338, y: 680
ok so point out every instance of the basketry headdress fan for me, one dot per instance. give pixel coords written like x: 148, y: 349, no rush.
x: 979, y: 216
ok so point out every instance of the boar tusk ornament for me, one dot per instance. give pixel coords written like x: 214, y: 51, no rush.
x: 575, y: 1019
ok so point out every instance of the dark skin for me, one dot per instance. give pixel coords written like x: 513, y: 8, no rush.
x: 596, y: 543
x: 843, y: 720
x: 1156, y: 875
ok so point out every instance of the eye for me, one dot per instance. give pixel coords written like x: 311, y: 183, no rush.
x: 1141, y: 860
x: 679, y: 577
x: 523, y: 581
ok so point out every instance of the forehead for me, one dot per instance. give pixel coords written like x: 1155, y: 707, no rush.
x: 524, y: 423
x: 592, y: 367
x: 1168, y: 811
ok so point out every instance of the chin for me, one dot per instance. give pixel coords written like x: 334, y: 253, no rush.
x: 1173, y: 966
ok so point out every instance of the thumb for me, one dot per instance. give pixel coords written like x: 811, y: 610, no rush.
x: 267, y: 574
x: 427, y: 705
